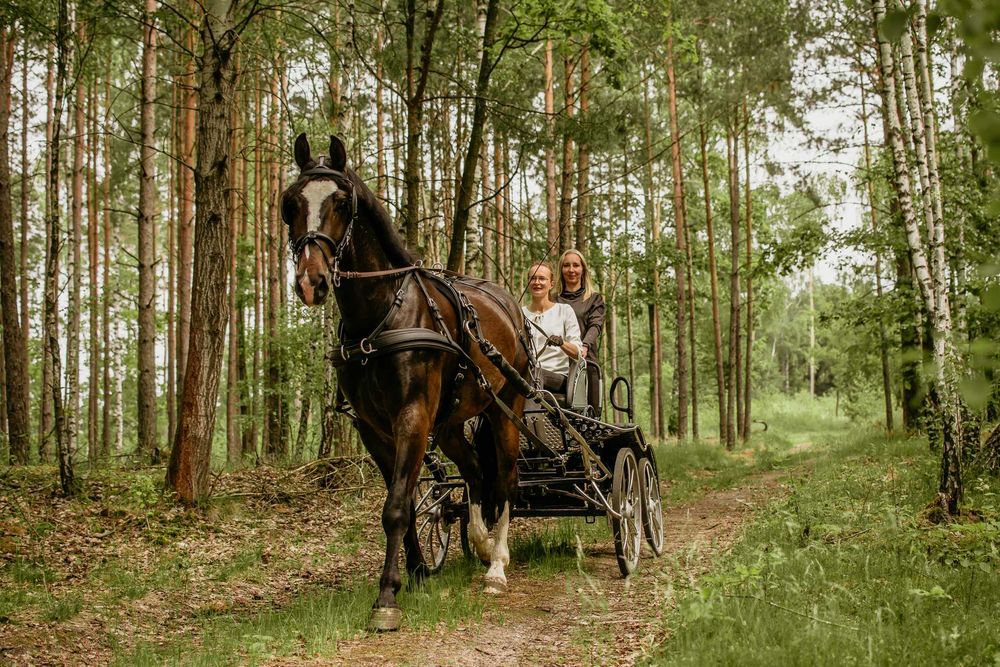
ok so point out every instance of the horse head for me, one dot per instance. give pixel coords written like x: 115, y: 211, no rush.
x: 319, y: 209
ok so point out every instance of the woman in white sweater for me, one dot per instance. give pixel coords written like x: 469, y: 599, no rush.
x: 561, y: 338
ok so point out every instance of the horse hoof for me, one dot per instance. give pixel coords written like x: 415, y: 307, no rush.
x: 495, y: 586
x: 385, y: 619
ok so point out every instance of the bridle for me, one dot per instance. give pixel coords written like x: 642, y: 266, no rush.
x: 315, y: 236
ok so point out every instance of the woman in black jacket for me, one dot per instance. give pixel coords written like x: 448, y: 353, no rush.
x: 577, y: 290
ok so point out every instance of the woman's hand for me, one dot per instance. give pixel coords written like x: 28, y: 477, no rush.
x: 554, y: 341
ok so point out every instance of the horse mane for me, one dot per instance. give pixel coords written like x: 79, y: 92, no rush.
x: 392, y: 243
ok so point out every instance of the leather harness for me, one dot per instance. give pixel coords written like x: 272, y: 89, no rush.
x: 384, y: 340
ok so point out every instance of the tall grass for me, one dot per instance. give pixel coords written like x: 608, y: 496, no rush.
x: 845, y: 571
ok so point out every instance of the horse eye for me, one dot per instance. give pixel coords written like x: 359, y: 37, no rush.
x: 288, y: 209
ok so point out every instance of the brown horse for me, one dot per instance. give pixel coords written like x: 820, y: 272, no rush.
x: 343, y: 241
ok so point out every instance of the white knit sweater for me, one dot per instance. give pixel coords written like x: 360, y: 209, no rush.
x: 558, y: 320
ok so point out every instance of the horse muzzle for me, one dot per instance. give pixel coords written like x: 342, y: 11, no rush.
x: 312, y: 288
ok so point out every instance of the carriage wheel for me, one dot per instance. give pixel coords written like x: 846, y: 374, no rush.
x: 626, y: 500
x: 652, y: 507
x: 433, y: 529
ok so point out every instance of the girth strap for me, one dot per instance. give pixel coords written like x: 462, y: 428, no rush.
x: 392, y: 342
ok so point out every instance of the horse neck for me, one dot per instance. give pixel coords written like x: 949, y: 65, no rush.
x: 364, y: 302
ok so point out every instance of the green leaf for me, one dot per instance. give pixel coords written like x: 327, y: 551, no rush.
x: 986, y: 124
x: 976, y: 391
x: 893, y: 25
x: 991, y: 298
x: 934, y: 23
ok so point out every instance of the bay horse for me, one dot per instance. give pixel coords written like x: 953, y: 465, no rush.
x: 422, y: 390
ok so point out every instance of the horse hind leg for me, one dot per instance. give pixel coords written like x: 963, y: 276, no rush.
x: 506, y: 440
x: 454, y: 445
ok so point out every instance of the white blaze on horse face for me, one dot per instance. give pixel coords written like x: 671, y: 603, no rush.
x: 315, y: 193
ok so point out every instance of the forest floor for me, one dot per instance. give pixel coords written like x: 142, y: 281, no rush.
x: 273, y: 571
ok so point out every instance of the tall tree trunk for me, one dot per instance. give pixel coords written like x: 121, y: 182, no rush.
x: 463, y: 203
x: 173, y: 190
x: 276, y: 446
x: 551, y: 207
x: 629, y: 339
x: 658, y: 426
x: 234, y: 441
x: 26, y: 180
x: 382, y: 186
x: 500, y: 208
x: 812, y: 336
x: 188, y: 473
x: 692, y: 328
x: 15, y: 351
x: 246, y: 399
x: 714, y: 281
x: 734, y: 399
x: 46, y: 416
x: 883, y: 338
x: 566, y: 186
x: 680, y: 244
x: 583, y: 157
x: 185, y: 222
x: 67, y: 478
x: 748, y: 361
x: 94, y: 357
x: 75, y: 268
x: 416, y: 84
x: 106, y: 284
x: 146, y: 390
x: 258, y: 282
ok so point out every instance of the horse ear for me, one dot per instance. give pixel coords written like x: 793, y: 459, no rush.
x: 303, y: 156
x: 338, y: 153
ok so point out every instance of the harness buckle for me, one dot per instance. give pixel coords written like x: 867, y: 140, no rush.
x: 363, y: 343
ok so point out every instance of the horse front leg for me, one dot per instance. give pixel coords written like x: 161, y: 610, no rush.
x: 411, y: 429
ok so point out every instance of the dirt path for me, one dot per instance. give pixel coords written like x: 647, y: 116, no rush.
x: 153, y: 576
x: 575, y: 618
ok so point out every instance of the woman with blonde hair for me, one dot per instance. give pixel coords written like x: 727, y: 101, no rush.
x: 577, y: 290
x: 555, y: 333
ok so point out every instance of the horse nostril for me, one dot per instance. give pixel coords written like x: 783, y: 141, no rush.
x: 320, y: 288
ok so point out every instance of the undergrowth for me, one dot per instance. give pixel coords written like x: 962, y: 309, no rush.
x: 845, y: 570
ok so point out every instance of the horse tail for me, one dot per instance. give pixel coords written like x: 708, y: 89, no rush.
x: 487, y: 455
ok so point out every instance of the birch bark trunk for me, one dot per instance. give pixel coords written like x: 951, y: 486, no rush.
x: 933, y: 292
x: 75, y: 264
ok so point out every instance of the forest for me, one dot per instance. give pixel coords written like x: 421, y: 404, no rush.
x: 790, y: 208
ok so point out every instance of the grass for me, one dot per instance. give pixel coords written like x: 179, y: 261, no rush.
x: 314, y: 623
x: 845, y: 571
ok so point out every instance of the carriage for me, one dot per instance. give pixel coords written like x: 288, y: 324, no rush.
x: 575, y: 465
x: 434, y: 361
